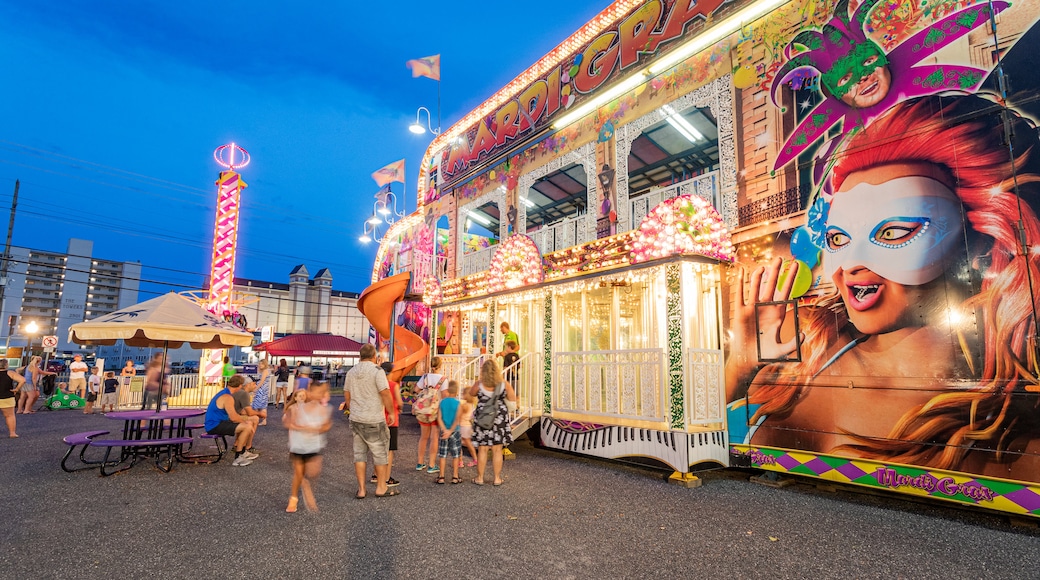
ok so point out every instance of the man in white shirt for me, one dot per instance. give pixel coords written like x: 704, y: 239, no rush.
x: 367, y: 395
x: 78, y: 376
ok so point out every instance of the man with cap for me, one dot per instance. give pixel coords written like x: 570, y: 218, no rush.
x: 222, y: 419
x: 244, y: 405
x: 303, y: 378
x: 78, y: 376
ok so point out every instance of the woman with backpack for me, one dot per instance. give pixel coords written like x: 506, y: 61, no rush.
x: 425, y: 410
x: 491, y: 427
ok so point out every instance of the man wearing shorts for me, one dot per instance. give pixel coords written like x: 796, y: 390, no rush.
x: 222, y: 419
x: 367, y: 395
x: 78, y: 376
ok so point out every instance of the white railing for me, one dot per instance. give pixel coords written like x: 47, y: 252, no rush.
x: 184, y: 392
x: 560, y: 235
x: 616, y: 383
x: 704, y: 386
x: 478, y: 261
x: 464, y: 368
x: 705, y: 186
x: 526, y: 376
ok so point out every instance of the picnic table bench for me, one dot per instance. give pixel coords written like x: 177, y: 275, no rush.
x: 170, y: 446
x: 81, y: 440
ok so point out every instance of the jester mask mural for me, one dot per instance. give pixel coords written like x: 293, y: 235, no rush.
x: 860, y: 80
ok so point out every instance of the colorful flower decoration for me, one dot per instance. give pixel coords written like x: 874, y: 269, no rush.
x: 817, y: 222
x: 432, y: 293
x: 682, y: 225
x: 517, y: 263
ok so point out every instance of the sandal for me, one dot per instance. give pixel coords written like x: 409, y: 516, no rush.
x: 292, y: 505
x: 477, y: 482
x: 439, y: 481
x: 389, y: 492
x: 455, y: 480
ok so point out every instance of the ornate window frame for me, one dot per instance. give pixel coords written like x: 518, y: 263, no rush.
x: 716, y: 96
x: 584, y: 155
x: 498, y: 195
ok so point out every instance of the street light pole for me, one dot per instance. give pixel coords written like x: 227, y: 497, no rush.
x: 30, y: 330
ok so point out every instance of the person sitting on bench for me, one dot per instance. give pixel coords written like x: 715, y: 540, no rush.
x: 222, y: 419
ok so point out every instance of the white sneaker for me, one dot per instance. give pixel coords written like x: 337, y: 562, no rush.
x: 241, y: 461
x: 249, y: 456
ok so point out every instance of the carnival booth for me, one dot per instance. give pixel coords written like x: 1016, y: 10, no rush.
x: 774, y: 234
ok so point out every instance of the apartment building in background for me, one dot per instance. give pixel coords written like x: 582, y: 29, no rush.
x: 59, y: 289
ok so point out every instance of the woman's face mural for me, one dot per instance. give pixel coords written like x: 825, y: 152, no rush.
x: 888, y: 233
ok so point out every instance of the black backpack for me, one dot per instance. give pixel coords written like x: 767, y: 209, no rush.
x: 47, y: 385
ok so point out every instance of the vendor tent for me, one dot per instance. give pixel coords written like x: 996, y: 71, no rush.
x: 311, y: 345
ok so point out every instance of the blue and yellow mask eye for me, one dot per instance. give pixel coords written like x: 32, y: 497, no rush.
x: 898, y: 232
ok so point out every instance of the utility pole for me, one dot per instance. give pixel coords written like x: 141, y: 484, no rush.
x: 7, y: 252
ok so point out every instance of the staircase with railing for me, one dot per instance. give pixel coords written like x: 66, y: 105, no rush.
x: 527, y: 378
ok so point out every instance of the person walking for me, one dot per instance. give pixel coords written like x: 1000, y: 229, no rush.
x: 10, y: 383
x: 30, y: 391
x: 303, y: 378
x: 263, y: 392
x: 153, y: 379
x: 492, y: 390
x: 308, y: 419
x: 281, y: 383
x: 367, y: 396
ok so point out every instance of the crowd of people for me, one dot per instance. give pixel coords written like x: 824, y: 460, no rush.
x: 477, y: 419
x: 452, y: 418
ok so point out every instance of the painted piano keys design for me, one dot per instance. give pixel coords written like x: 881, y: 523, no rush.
x: 677, y: 449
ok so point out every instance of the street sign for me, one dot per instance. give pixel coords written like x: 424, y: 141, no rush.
x: 50, y: 341
x: 48, y: 349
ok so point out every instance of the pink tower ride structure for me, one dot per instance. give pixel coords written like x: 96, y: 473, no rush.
x: 225, y: 239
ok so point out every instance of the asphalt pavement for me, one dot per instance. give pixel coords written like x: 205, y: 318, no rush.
x: 557, y: 516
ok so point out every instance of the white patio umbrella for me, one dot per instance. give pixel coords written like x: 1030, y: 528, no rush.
x: 169, y: 320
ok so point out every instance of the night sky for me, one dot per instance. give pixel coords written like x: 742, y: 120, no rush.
x: 110, y: 112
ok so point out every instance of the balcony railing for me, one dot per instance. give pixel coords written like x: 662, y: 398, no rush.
x: 478, y: 261
x: 775, y: 206
x: 705, y: 186
x: 560, y: 235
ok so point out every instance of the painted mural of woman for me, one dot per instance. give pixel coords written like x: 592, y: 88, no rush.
x: 924, y: 353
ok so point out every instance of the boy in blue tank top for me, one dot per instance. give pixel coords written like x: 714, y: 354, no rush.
x: 450, y: 444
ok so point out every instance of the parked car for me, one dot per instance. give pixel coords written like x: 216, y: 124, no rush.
x: 56, y: 366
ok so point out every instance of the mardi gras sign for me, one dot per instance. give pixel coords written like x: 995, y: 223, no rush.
x: 635, y: 39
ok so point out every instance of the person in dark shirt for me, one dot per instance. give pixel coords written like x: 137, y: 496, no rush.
x: 511, y: 356
x: 110, y: 394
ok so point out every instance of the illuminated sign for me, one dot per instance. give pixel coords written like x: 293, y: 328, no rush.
x: 631, y: 42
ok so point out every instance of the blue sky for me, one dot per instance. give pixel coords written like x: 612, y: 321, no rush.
x: 110, y: 111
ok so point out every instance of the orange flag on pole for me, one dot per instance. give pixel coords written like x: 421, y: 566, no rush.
x: 390, y: 173
x: 427, y: 66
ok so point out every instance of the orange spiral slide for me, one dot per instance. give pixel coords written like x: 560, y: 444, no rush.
x: 376, y: 303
